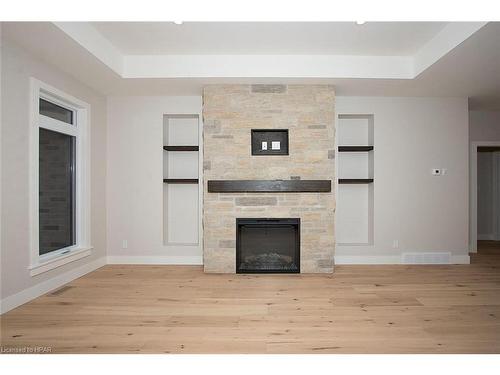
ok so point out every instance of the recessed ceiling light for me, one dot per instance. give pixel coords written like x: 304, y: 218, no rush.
x: 178, y: 22
x: 360, y: 22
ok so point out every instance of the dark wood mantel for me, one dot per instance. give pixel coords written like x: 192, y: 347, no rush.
x: 269, y: 186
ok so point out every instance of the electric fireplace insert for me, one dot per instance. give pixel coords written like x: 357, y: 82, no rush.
x: 268, y: 245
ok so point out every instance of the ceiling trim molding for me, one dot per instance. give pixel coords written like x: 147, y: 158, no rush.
x: 269, y: 66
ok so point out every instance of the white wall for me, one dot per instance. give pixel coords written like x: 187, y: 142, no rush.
x: 135, y: 175
x: 484, y: 126
x: 17, y: 284
x: 422, y: 212
x: 411, y: 135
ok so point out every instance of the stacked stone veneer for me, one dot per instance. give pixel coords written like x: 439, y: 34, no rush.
x: 229, y: 114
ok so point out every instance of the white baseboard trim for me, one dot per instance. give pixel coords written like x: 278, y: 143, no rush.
x: 473, y: 248
x: 460, y: 259
x: 163, y: 260
x: 390, y: 259
x: 26, y: 295
x: 363, y: 259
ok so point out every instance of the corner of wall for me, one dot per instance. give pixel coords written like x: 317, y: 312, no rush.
x: 26, y: 295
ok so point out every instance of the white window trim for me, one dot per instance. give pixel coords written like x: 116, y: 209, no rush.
x: 81, y: 129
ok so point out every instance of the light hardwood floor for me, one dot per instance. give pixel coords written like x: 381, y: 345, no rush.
x: 358, y: 309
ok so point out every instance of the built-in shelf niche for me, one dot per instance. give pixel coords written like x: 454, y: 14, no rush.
x: 355, y: 177
x: 181, y: 194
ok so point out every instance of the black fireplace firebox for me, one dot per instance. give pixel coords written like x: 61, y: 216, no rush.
x: 268, y: 245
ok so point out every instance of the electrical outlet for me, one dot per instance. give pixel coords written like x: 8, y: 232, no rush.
x: 395, y: 244
x: 124, y: 244
x: 443, y: 171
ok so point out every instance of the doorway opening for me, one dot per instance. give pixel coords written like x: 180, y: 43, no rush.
x: 485, y: 198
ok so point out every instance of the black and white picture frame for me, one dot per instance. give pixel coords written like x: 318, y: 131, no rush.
x: 269, y: 141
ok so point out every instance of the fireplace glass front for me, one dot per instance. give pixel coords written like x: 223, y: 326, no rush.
x: 268, y: 245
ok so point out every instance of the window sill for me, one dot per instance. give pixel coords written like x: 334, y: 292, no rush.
x: 58, y: 261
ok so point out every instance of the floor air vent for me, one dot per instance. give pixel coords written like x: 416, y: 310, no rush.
x: 426, y: 258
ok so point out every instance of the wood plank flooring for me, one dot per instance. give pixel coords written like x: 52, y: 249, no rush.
x: 358, y: 309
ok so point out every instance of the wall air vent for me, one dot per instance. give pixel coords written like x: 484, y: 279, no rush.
x: 426, y: 258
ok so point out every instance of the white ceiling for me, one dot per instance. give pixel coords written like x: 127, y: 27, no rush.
x: 470, y: 69
x: 276, y: 38
x: 328, y: 63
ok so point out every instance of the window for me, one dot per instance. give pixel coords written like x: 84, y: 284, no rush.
x: 56, y: 112
x: 60, y: 179
x: 56, y: 207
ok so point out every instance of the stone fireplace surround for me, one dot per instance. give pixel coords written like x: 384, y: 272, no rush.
x: 230, y: 112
